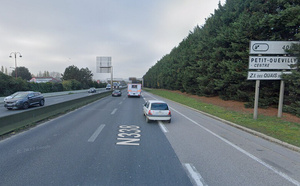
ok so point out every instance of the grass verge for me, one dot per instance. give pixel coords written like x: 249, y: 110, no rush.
x: 288, y: 132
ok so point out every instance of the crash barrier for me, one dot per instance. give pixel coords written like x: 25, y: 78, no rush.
x: 32, y: 116
x: 50, y: 94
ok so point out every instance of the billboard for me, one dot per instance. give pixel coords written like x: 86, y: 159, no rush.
x: 103, y: 65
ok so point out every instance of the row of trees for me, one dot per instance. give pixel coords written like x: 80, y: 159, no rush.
x: 72, y: 79
x: 24, y: 73
x: 213, y: 59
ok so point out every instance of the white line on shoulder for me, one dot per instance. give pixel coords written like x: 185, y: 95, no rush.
x: 162, y: 127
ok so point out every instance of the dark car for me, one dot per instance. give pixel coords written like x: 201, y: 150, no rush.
x: 92, y: 90
x: 116, y: 93
x: 23, y: 100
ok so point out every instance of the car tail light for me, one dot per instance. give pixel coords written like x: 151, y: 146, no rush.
x: 169, y: 113
x: 149, y: 113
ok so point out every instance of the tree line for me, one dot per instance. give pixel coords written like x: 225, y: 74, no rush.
x: 213, y: 59
x: 24, y: 73
x: 72, y: 79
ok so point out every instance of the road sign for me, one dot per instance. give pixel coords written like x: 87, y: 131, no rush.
x: 103, y: 65
x: 267, y: 75
x: 272, y: 62
x: 270, y: 47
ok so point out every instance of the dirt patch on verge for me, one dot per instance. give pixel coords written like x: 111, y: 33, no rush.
x: 239, y: 107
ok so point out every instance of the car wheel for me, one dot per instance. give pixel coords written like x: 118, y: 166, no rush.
x: 25, y: 105
x: 169, y: 121
x: 9, y: 108
x: 42, y: 102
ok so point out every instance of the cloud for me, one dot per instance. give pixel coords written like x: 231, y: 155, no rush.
x: 52, y: 35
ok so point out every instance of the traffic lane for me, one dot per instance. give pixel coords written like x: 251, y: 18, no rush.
x: 82, y: 148
x: 273, y: 156
x: 48, y: 101
x: 148, y: 161
x: 218, y: 147
x: 219, y: 163
x: 52, y: 153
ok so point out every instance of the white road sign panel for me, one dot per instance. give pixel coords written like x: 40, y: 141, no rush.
x: 270, y: 47
x: 267, y: 75
x: 272, y: 62
x: 103, y: 64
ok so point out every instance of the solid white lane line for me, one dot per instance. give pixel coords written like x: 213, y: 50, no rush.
x: 150, y: 96
x: 283, y: 175
x: 114, y: 111
x: 194, y: 174
x: 162, y: 127
x: 96, y: 133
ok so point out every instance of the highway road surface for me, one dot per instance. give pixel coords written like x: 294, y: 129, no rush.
x: 108, y: 142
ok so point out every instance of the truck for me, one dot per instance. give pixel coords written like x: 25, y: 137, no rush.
x: 134, y: 89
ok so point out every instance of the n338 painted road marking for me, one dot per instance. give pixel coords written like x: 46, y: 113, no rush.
x: 129, y: 135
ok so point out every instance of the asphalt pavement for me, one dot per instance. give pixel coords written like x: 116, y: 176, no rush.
x: 109, y: 142
x: 104, y: 143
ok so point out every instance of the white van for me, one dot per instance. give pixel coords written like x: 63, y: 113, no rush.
x: 134, y: 89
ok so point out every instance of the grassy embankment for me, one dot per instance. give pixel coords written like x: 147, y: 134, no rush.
x: 288, y: 132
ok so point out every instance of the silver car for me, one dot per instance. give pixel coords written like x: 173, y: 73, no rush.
x: 157, y: 110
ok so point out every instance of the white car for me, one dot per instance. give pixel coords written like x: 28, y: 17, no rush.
x: 157, y: 110
x: 108, y: 87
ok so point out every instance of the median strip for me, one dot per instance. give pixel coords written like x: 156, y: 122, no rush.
x: 31, y: 117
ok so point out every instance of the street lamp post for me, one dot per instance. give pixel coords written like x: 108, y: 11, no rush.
x: 15, y: 55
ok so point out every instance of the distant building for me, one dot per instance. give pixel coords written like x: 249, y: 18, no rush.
x: 44, y: 80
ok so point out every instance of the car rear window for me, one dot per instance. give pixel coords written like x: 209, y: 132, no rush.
x: 159, y: 106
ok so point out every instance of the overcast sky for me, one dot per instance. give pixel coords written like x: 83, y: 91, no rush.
x: 54, y: 34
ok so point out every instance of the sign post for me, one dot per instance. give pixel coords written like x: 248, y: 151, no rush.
x: 270, y: 63
x: 257, y: 84
x: 280, y: 104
